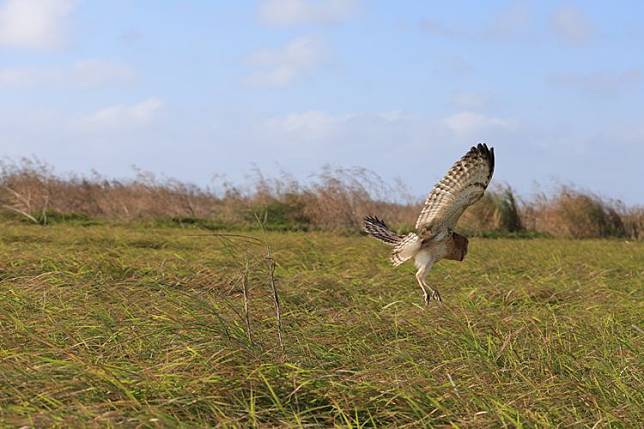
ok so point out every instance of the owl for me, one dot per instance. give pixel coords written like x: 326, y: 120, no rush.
x: 435, y: 238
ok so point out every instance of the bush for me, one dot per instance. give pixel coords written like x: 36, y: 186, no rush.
x: 497, y: 211
x: 575, y: 214
x: 287, y: 215
x: 335, y: 199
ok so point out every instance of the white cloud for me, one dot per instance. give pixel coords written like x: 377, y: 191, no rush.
x: 121, y: 116
x: 470, y: 100
x: 280, y: 67
x: 131, y: 36
x: 311, y: 125
x: 394, y: 127
x: 316, y: 126
x: 514, y: 20
x: 100, y: 72
x: 453, y: 65
x: 468, y: 124
x: 84, y: 74
x: 599, y: 84
x: 507, y: 24
x: 311, y: 121
x: 18, y: 77
x: 392, y: 116
x: 34, y: 23
x: 571, y: 25
x: 298, y: 12
x: 441, y: 29
x: 334, y: 136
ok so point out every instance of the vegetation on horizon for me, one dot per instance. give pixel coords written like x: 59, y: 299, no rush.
x: 335, y: 199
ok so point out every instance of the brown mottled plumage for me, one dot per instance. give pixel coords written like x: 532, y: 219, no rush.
x: 434, y: 239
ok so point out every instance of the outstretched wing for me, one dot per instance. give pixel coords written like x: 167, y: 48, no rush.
x: 463, y: 185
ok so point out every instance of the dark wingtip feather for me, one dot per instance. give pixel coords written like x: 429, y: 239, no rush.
x: 488, y: 153
x: 491, y: 161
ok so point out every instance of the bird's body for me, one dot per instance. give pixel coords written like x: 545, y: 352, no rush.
x: 435, y: 238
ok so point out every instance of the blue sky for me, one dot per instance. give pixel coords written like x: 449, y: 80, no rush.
x: 194, y: 89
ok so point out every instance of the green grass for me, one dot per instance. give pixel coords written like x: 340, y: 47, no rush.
x: 105, y: 325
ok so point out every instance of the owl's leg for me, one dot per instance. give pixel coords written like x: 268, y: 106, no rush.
x: 421, y: 282
x: 420, y: 277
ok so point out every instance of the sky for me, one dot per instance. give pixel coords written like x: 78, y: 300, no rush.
x: 199, y: 90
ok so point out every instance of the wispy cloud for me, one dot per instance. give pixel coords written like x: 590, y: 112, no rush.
x: 279, y: 67
x: 121, y: 116
x: 309, y: 125
x: 506, y: 24
x: 468, y: 124
x: 81, y: 74
x: 514, y: 20
x: 441, y: 29
x: 100, y: 72
x: 131, y: 36
x: 470, y: 100
x: 452, y: 66
x: 298, y: 12
x: 599, y: 84
x: 34, y: 23
x: 572, y: 25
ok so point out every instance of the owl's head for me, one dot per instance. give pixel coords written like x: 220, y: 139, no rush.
x: 457, y: 247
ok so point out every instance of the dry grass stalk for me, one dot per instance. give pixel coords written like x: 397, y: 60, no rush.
x: 21, y: 205
x: 276, y: 298
x: 244, y: 282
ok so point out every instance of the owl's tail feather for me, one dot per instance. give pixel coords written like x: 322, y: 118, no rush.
x: 378, y: 229
x: 405, y: 246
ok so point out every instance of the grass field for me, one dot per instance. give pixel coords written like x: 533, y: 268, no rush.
x: 145, y: 327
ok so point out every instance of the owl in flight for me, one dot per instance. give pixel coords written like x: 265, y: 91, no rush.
x: 435, y: 238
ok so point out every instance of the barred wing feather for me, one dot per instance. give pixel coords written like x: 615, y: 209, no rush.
x: 463, y: 185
